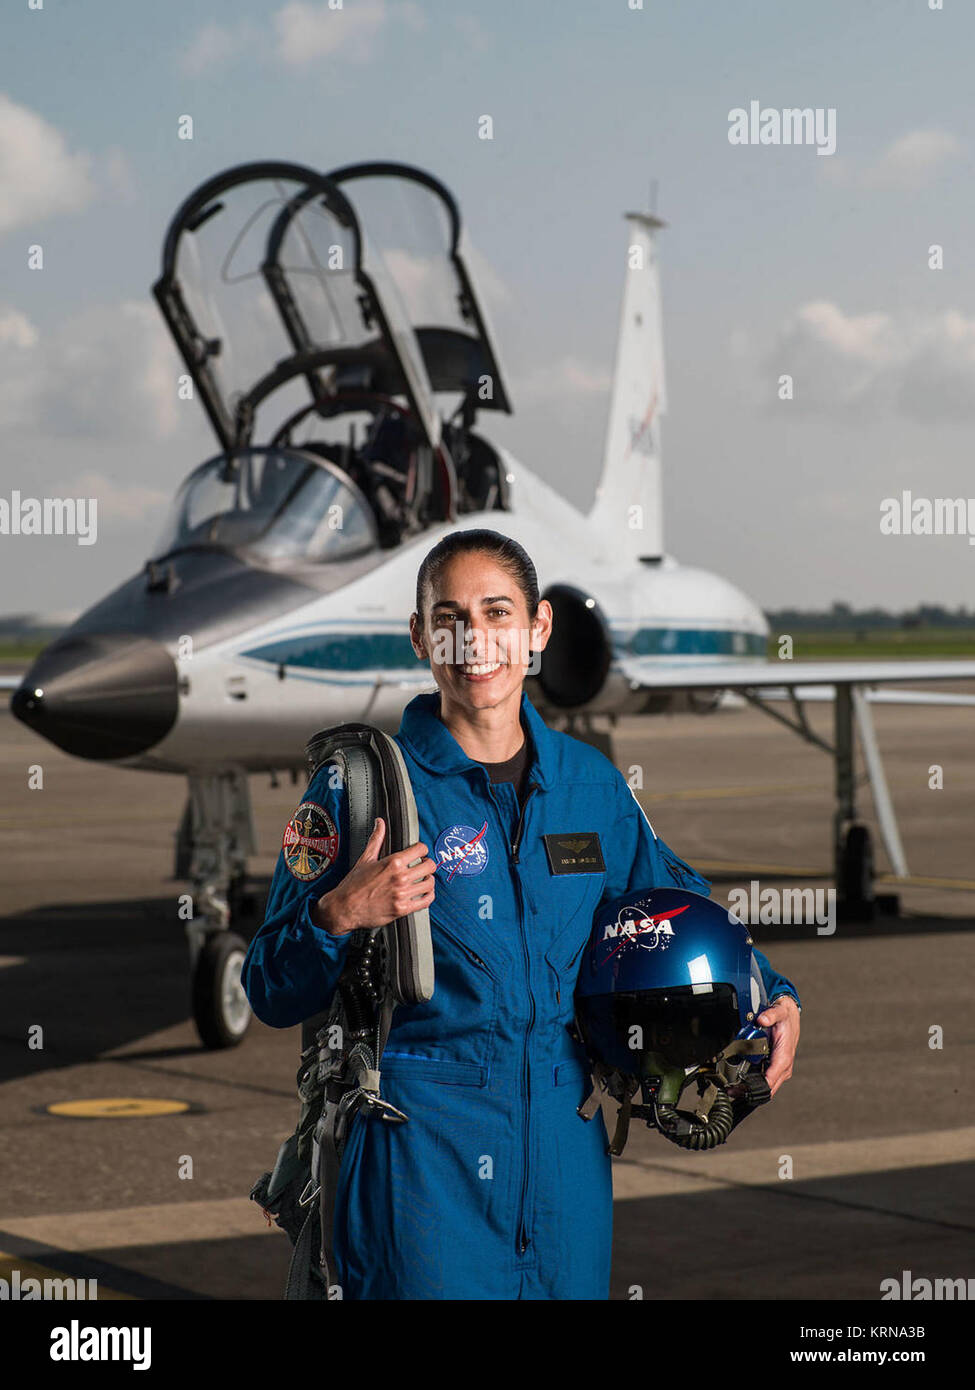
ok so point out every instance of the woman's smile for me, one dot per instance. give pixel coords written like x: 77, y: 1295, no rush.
x: 478, y: 673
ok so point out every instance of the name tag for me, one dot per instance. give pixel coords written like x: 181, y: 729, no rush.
x: 575, y: 852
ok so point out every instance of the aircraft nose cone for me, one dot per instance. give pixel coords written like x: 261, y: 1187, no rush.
x: 100, y: 695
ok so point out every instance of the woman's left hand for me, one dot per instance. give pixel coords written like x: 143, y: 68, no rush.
x: 782, y: 1019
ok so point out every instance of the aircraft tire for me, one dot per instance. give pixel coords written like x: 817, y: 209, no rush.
x: 220, y: 1009
x: 857, y: 877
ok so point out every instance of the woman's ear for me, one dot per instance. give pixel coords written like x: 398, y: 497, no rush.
x: 541, y: 628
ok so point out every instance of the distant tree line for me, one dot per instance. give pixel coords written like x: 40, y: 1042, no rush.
x: 841, y: 617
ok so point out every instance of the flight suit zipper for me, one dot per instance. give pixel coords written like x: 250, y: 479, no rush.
x: 524, y: 1240
x: 532, y: 787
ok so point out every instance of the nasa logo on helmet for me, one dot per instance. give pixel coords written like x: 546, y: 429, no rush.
x: 634, y: 926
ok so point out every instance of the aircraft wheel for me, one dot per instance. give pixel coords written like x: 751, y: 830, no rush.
x: 220, y: 1009
x: 857, y: 866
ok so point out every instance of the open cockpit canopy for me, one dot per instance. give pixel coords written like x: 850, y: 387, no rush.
x: 414, y: 225
x: 326, y: 314
x: 263, y: 280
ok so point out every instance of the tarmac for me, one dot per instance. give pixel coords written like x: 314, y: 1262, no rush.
x: 859, y: 1169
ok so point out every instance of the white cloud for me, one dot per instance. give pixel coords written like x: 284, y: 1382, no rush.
x: 916, y: 365
x: 301, y: 32
x: 39, y: 176
x: 116, y: 502
x: 109, y: 372
x: 16, y: 330
x: 216, y: 45
x: 913, y: 160
x: 307, y: 32
x: 909, y: 163
x: 119, y: 177
x: 569, y: 377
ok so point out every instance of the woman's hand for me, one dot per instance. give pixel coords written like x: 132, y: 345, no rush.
x: 376, y: 891
x: 782, y: 1018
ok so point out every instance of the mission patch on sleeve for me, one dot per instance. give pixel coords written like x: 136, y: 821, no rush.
x: 311, y: 842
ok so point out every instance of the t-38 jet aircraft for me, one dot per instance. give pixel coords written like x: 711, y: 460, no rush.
x: 333, y: 335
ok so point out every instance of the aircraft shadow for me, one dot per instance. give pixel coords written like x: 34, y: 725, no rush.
x: 96, y: 977
x: 100, y: 976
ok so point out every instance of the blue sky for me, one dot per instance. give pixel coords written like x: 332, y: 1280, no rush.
x: 775, y: 259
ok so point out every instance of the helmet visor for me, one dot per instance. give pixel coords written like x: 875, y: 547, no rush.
x: 686, y: 1025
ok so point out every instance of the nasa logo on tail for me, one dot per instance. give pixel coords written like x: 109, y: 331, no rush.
x: 634, y: 927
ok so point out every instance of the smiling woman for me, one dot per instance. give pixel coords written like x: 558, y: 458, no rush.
x: 496, y: 1188
x: 478, y: 620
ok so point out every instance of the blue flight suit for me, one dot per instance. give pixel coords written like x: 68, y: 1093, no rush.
x: 495, y: 1188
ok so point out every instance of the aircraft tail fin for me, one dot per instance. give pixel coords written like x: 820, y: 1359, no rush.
x: 627, y: 506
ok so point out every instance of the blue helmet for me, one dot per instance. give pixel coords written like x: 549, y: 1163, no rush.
x: 666, y: 1002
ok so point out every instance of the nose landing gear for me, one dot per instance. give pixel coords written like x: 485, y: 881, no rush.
x: 215, y: 837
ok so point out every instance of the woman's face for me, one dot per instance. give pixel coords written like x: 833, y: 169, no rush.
x: 477, y: 633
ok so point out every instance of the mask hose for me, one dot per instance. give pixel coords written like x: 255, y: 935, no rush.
x: 696, y: 1134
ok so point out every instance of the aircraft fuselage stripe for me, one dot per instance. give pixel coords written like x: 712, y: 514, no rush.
x: 378, y: 651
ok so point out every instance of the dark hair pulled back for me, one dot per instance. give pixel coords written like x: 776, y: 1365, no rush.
x: 506, y: 552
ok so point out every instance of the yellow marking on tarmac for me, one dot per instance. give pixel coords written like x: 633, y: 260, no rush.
x: 81, y: 1289
x: 165, y: 1222
x: 118, y: 1107
x: 916, y: 881
x: 676, y: 1172
x: 716, y: 793
x: 723, y: 866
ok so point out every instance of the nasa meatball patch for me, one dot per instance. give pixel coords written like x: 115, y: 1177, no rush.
x: 461, y: 849
x: 311, y: 842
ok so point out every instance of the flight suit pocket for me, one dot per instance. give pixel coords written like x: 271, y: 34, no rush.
x: 573, y: 933
x: 450, y: 1038
x: 565, y: 1073
x: 413, y: 1065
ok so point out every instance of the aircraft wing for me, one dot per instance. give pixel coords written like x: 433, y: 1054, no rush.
x: 813, y: 680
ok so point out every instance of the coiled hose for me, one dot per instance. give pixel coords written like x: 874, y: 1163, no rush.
x: 704, y: 1134
x: 361, y: 989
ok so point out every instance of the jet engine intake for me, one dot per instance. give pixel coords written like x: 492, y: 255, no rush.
x: 576, y: 661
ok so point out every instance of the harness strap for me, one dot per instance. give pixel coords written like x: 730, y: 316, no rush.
x: 618, y: 1142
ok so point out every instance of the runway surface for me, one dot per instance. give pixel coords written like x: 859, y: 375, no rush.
x: 859, y: 1169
